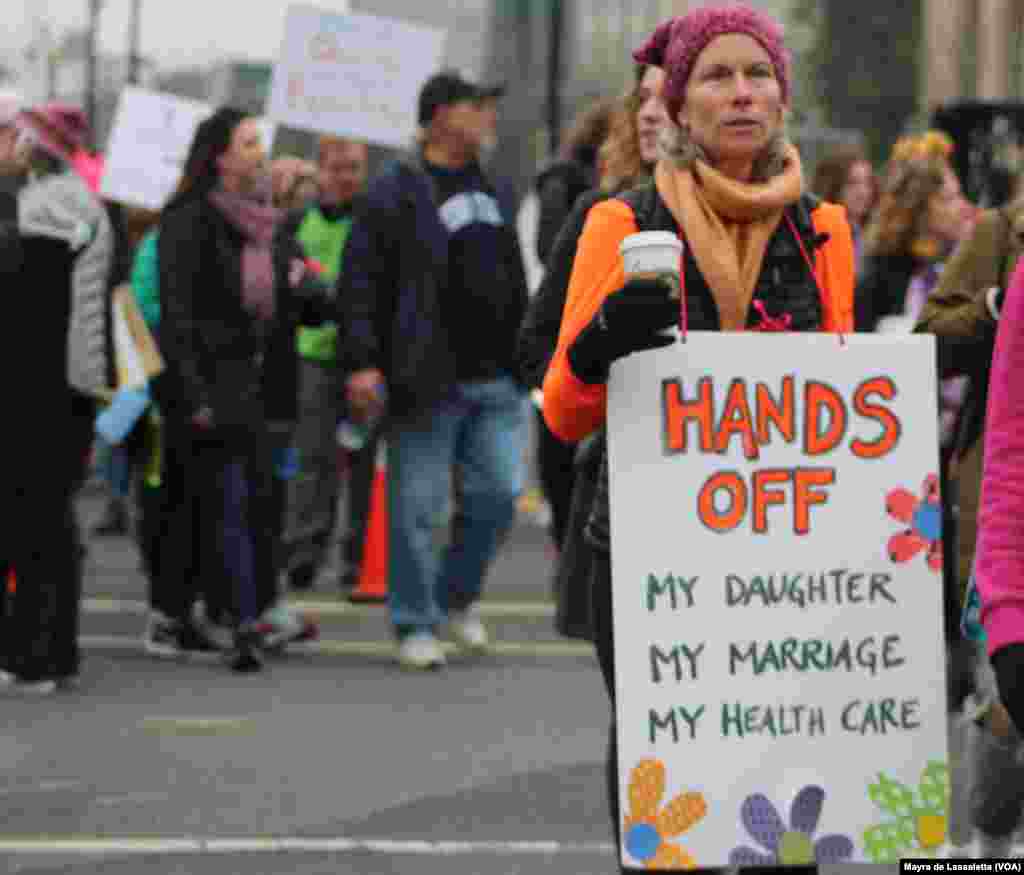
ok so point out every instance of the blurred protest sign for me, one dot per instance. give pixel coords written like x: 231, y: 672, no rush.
x: 148, y: 145
x: 352, y: 75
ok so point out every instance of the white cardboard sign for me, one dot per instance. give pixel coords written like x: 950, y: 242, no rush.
x: 776, y: 563
x: 148, y: 146
x: 352, y: 75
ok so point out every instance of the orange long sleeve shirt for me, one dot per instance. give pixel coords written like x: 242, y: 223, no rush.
x: 573, y: 409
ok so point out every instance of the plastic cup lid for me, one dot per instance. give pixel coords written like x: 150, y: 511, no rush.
x: 650, y: 238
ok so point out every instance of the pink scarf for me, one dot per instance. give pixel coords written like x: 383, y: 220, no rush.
x: 257, y: 222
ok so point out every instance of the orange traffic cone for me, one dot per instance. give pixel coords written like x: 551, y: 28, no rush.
x: 373, y: 569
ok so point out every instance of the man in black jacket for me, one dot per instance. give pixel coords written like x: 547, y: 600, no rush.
x: 435, y: 291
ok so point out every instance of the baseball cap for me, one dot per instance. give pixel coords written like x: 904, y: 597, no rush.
x: 448, y: 87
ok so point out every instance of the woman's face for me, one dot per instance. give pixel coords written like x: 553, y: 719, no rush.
x: 733, y: 105
x: 245, y: 160
x: 859, y: 191
x: 652, y: 114
x: 947, y: 210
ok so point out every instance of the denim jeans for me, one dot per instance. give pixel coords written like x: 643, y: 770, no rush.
x: 479, y: 434
x: 115, y: 468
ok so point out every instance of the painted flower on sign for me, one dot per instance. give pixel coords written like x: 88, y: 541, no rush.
x: 923, y: 515
x: 916, y: 823
x: 793, y: 844
x: 649, y: 825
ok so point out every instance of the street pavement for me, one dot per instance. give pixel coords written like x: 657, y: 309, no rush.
x: 492, y: 766
x: 331, y: 761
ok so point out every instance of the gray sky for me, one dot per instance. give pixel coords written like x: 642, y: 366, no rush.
x: 173, y: 32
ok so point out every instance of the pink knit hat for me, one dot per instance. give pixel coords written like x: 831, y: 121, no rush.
x: 59, y: 128
x: 676, y: 43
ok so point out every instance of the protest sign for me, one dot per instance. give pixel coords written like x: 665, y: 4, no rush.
x: 135, y: 351
x: 777, y: 587
x: 352, y: 75
x: 148, y: 146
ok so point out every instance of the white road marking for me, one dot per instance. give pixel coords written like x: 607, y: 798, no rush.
x: 41, y: 787
x: 541, y: 610
x: 543, y: 649
x: 267, y: 845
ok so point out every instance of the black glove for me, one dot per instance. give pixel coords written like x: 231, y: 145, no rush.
x: 1008, y: 663
x: 631, y: 319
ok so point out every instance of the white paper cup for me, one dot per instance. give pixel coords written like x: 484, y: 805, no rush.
x: 653, y: 254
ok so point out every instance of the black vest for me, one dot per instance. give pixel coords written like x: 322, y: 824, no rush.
x: 787, y: 285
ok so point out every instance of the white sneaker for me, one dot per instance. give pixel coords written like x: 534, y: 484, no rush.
x: 468, y: 631
x: 420, y: 651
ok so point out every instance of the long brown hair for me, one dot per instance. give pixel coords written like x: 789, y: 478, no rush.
x: 917, y: 170
x: 589, y: 131
x: 833, y: 171
x: 621, y: 162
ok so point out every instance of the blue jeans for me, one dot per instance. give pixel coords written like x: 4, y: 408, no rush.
x: 115, y: 467
x: 480, y: 432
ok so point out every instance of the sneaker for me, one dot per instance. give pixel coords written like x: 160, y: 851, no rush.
x: 246, y: 657
x: 161, y: 637
x: 6, y: 678
x: 283, y: 625
x: 38, y: 687
x: 467, y: 631
x: 420, y: 651
x: 193, y: 641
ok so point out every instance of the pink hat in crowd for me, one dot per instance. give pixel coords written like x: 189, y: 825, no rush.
x: 60, y: 129
x: 676, y: 43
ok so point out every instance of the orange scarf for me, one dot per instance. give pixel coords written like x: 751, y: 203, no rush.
x: 727, y: 224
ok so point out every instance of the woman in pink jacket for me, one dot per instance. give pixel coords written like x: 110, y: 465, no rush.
x: 997, y: 782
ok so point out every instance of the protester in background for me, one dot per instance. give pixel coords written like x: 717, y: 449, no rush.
x: 845, y: 176
x: 576, y: 171
x: 323, y: 228
x: 627, y: 157
x: 717, y: 185
x: 55, y: 254
x: 294, y: 182
x: 434, y: 291
x: 558, y: 188
x: 963, y: 313
x: 997, y: 788
x: 113, y: 463
x: 232, y: 294
x: 921, y: 216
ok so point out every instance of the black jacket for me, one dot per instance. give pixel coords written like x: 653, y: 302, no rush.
x: 882, y: 289
x: 390, y: 293
x: 558, y: 188
x: 217, y: 354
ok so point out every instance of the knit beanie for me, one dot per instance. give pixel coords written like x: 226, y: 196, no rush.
x: 676, y: 43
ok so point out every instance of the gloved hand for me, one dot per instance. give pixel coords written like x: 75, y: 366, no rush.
x: 631, y: 319
x: 1008, y: 663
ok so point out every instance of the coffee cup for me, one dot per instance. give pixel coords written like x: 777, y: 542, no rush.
x: 653, y: 255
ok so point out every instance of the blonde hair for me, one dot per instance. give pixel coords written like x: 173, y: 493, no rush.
x: 619, y: 157
x: 917, y: 170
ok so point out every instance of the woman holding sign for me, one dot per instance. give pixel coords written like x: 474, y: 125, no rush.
x: 759, y: 253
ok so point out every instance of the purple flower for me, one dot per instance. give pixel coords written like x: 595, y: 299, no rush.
x: 793, y: 845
